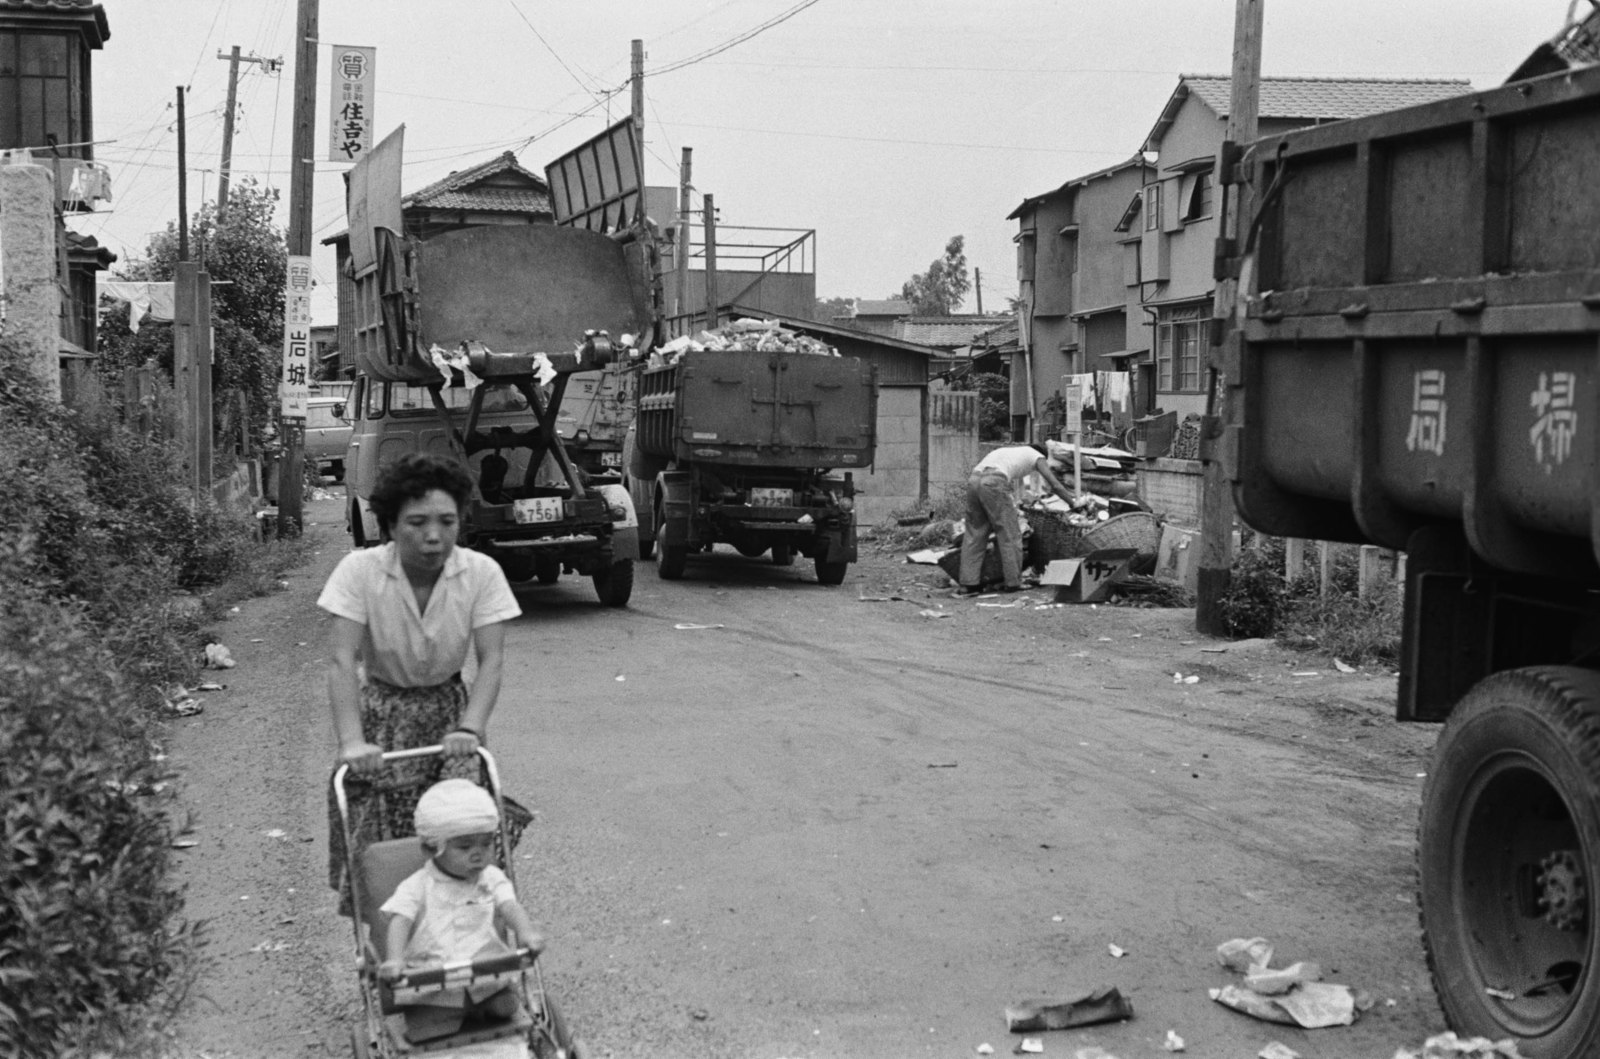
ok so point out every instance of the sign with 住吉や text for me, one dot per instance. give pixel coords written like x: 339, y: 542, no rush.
x: 295, y: 385
x: 350, y: 103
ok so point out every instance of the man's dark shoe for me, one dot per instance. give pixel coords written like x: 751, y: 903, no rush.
x: 1011, y: 588
x: 963, y: 591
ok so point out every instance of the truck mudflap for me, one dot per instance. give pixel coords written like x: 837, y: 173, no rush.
x: 837, y: 545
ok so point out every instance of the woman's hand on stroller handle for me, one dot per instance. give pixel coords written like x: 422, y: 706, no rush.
x: 363, y: 758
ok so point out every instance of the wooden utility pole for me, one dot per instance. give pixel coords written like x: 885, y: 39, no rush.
x: 977, y: 285
x: 1216, y: 500
x: 709, y: 214
x: 291, y: 469
x: 638, y: 124
x: 682, y: 263
x: 227, y: 134
x: 234, y: 59
x: 183, y: 183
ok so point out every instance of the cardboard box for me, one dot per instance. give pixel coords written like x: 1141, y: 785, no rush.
x: 1088, y: 579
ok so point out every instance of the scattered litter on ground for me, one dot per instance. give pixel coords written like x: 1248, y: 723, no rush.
x: 1094, y: 1051
x: 1029, y: 1044
x: 926, y: 557
x: 209, y: 685
x: 985, y: 1048
x: 1343, y: 667
x: 1303, y: 1001
x: 276, y: 832
x: 1278, y: 1050
x: 185, y: 707
x: 692, y: 625
x: 621, y: 678
x: 270, y: 946
x: 1116, y: 951
x: 1179, y: 678
x: 1449, y: 1046
x: 1103, y: 1004
x: 184, y: 843
x: 218, y: 657
x: 934, y: 613
x: 941, y: 764
x: 884, y: 599
x: 1306, y: 673
x: 1005, y: 606
x: 1173, y: 1043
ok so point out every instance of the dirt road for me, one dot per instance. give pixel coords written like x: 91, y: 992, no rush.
x: 829, y: 827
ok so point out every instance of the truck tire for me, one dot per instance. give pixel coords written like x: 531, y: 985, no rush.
x: 547, y: 573
x: 1508, y: 840
x: 831, y: 573
x: 517, y: 567
x: 749, y: 549
x: 614, y: 584
x: 783, y: 555
x: 670, y: 558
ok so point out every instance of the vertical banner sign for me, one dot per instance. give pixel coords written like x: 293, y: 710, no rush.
x: 294, y: 388
x: 1072, y: 397
x: 350, y: 101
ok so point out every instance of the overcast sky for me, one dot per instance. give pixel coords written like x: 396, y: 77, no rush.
x: 888, y: 126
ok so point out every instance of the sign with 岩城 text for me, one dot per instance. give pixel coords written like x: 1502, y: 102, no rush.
x: 350, y: 103
x: 295, y: 385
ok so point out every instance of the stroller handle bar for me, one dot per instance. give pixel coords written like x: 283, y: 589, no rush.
x: 342, y: 771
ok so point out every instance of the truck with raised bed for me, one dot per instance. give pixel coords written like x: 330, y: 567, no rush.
x: 1417, y: 365
x: 466, y: 341
x: 755, y: 449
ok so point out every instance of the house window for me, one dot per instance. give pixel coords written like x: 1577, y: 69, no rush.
x: 40, y: 94
x: 1180, y: 336
x: 1152, y: 207
x: 1199, y: 197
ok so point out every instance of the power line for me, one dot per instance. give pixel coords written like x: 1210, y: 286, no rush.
x: 732, y: 41
x: 553, y: 53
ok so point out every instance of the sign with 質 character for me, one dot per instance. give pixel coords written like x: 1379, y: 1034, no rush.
x: 295, y: 386
x: 350, y: 103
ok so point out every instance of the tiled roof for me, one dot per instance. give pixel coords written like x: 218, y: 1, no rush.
x: 1137, y: 161
x: 889, y: 307
x: 75, y: 10
x: 948, y: 331
x: 458, y: 191
x: 1308, y: 98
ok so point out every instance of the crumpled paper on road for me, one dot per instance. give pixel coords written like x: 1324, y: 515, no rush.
x: 1312, y: 1005
x: 1449, y: 1046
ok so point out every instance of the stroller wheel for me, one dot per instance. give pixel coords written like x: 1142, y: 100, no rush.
x: 550, y: 1037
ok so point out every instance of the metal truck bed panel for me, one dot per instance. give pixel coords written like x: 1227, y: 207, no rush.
x: 1422, y: 333
x: 760, y: 409
x: 531, y: 288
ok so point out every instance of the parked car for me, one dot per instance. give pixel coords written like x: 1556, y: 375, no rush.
x: 327, y: 434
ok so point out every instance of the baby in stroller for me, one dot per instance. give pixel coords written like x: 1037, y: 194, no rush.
x: 447, y: 911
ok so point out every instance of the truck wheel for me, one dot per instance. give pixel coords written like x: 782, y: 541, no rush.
x: 1508, y: 837
x: 517, y: 568
x: 647, y: 548
x: 548, y: 573
x: 783, y: 555
x: 614, y: 584
x: 831, y: 573
x: 749, y: 549
x: 670, y: 558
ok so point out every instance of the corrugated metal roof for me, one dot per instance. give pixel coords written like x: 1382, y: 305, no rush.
x: 84, y: 10
x: 1308, y: 99
x: 456, y: 191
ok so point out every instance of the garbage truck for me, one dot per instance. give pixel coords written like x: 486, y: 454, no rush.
x: 1416, y: 364
x: 753, y: 447
x: 466, y: 343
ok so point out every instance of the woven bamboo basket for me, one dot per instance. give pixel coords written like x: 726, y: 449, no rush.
x: 1139, y: 530
x: 991, y: 572
x: 1052, y: 537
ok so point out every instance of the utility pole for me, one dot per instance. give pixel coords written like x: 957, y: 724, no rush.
x: 183, y: 183
x: 1216, y: 500
x: 682, y: 263
x: 977, y: 285
x: 291, y: 469
x: 709, y: 213
x: 638, y: 124
x: 234, y: 59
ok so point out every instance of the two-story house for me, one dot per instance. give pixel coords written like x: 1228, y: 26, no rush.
x: 47, y: 109
x: 1074, y: 315
x: 1172, y: 231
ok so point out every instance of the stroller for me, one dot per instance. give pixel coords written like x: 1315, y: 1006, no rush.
x: 536, y: 1029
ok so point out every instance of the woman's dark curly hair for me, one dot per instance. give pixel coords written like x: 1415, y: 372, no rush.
x: 412, y: 477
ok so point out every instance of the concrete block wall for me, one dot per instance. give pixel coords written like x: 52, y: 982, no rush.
x: 31, y: 340
x: 894, y: 482
x: 1171, y: 489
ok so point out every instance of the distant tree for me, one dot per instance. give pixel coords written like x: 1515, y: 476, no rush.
x: 825, y: 309
x: 246, y: 252
x: 938, y: 291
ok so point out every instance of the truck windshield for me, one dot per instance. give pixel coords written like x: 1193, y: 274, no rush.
x: 415, y: 400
